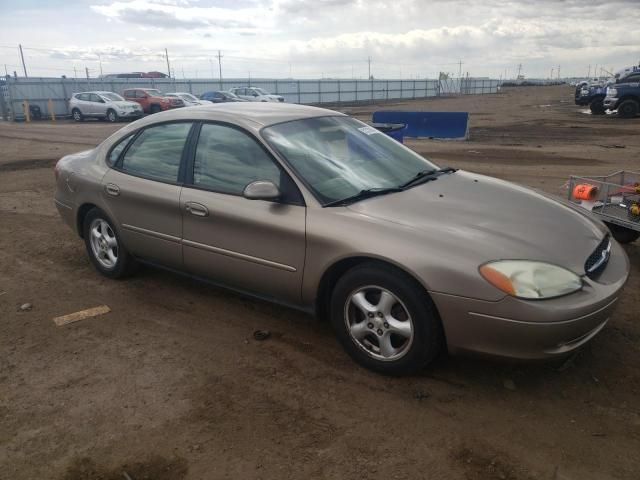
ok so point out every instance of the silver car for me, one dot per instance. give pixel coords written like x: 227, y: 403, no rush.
x: 188, y: 99
x: 107, y: 105
x: 314, y: 209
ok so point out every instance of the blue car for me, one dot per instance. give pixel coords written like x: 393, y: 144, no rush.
x: 220, y: 97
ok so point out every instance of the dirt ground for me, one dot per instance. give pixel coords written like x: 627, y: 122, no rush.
x: 171, y: 384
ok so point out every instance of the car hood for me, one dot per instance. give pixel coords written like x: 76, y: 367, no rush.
x: 491, y: 219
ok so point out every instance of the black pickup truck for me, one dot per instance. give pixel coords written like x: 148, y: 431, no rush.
x: 624, y: 95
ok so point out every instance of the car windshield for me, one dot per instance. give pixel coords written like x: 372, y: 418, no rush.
x: 114, y: 97
x: 339, y: 157
x: 188, y: 97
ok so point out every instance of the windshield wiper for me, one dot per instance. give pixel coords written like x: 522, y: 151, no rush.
x: 425, y: 176
x: 361, y: 195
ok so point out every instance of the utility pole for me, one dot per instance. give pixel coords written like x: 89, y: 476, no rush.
x: 75, y: 72
x: 211, y: 63
x: 519, y: 70
x: 166, y: 54
x: 86, y: 69
x: 6, y: 72
x: 460, y: 69
x: 100, y: 61
x: 558, y: 72
x: 551, y: 76
x: 220, y: 68
x: 24, y: 67
x: 369, y: 62
x: 589, y: 74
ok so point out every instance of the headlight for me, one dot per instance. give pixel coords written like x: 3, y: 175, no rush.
x: 530, y: 280
x: 584, y: 92
x: 612, y: 92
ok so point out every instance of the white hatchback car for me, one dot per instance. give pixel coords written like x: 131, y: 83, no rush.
x: 188, y: 99
x: 255, y: 94
x: 108, y: 105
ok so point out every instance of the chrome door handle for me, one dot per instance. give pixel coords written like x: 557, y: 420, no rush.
x: 112, y: 189
x: 196, y: 209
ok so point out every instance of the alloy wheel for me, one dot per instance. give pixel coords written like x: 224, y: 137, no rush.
x: 379, y: 323
x: 104, y: 243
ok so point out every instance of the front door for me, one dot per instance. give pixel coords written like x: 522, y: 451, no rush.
x: 252, y: 245
x: 142, y: 193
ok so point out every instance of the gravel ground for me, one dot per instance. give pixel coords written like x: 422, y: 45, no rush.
x: 171, y: 384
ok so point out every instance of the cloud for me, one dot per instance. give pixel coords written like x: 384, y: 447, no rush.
x: 179, y: 14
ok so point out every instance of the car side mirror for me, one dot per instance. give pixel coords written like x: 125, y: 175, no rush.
x: 261, y: 190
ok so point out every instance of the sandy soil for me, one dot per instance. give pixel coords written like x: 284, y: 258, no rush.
x: 172, y: 385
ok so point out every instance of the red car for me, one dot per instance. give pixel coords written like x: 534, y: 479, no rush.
x: 152, y: 100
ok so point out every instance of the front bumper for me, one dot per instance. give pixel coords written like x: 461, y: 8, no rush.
x: 533, y: 329
x: 611, y: 103
x: 130, y: 114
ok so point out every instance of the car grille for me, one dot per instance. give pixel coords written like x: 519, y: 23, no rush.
x: 599, y: 258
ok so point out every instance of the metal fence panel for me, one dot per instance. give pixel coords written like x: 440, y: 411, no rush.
x: 38, y: 91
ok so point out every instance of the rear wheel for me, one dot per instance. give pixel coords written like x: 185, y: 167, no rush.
x: 628, y: 108
x: 597, y: 107
x: 385, y: 320
x: 112, y: 116
x: 623, y: 234
x: 155, y: 109
x: 77, y: 115
x: 104, y: 247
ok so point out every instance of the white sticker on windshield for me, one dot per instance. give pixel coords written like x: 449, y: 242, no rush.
x: 368, y: 130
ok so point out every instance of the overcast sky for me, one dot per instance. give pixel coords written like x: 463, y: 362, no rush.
x: 320, y: 38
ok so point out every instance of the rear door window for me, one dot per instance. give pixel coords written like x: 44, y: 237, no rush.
x: 115, y: 152
x: 157, y: 152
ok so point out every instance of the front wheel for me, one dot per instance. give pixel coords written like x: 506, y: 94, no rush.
x: 623, y: 234
x: 112, y: 116
x: 385, y: 320
x: 628, y: 108
x: 597, y: 107
x: 104, y: 246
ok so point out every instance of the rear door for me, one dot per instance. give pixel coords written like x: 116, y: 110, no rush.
x: 142, y: 192
x: 252, y: 245
x: 98, y: 106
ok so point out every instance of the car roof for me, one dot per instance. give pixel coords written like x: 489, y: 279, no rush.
x: 250, y: 114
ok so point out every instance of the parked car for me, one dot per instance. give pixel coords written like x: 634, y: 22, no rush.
x: 188, y: 99
x: 221, y: 97
x: 107, y: 105
x: 317, y: 210
x: 624, y: 96
x: 254, y: 94
x: 152, y: 100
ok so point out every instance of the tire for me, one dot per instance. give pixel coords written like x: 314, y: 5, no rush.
x: 155, y: 109
x: 77, y: 115
x: 112, y: 116
x: 398, y: 338
x: 628, y: 108
x: 622, y: 234
x: 119, y: 263
x: 597, y: 107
